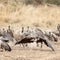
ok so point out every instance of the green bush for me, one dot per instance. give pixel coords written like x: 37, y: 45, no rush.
x: 33, y: 2
x: 57, y: 2
x: 27, y: 2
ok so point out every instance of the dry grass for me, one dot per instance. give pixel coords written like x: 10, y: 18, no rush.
x: 42, y: 16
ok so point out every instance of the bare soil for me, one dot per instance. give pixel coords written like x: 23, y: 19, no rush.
x: 27, y: 53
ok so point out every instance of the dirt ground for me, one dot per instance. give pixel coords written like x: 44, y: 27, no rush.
x: 20, y: 53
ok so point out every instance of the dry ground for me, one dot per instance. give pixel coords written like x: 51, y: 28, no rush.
x: 20, y: 53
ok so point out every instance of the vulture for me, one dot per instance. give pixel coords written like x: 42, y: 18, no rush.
x: 4, y: 45
x: 51, y: 36
x: 57, y: 32
x: 24, y: 37
x: 9, y: 31
x: 58, y: 27
x: 7, y: 35
x: 46, y: 42
x: 36, y: 35
x: 42, y: 38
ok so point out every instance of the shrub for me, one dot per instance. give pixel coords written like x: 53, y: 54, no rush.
x: 57, y: 2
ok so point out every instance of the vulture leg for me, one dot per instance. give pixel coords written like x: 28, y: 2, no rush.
x: 41, y: 41
x: 22, y: 44
x: 26, y: 45
x: 41, y: 44
x: 37, y: 45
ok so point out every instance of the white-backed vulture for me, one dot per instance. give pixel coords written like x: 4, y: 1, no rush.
x: 4, y: 46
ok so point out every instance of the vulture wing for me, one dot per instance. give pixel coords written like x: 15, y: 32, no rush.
x: 47, y: 43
